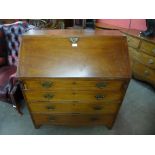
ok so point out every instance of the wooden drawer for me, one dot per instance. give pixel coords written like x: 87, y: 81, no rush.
x: 148, y: 48
x: 144, y: 73
x: 144, y: 59
x: 51, y: 108
x: 59, y: 96
x: 72, y: 84
x: 73, y: 120
x: 133, y: 42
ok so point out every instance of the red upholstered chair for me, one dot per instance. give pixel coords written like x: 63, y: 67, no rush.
x: 9, y: 43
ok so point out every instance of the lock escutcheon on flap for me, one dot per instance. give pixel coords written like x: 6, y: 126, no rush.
x: 74, y: 41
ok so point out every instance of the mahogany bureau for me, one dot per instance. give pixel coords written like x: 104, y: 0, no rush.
x: 74, y: 77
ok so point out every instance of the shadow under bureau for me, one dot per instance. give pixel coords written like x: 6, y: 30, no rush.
x: 74, y: 77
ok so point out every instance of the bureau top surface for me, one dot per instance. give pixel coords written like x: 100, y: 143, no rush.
x: 71, y: 32
x: 73, y: 53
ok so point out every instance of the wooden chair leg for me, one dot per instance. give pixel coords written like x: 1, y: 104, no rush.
x: 16, y: 97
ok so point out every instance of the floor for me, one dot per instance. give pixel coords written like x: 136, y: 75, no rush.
x: 136, y: 117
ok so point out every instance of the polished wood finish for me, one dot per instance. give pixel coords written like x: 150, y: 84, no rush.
x: 148, y: 48
x: 143, y: 58
x: 141, y: 51
x: 74, y: 120
x: 74, y: 83
x: 143, y: 72
x: 75, y: 107
x: 89, y: 52
x: 73, y: 95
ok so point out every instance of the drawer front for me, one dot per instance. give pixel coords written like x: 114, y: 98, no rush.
x: 144, y: 59
x: 148, y: 48
x: 59, y: 96
x: 144, y: 73
x: 74, y: 84
x: 51, y: 108
x: 133, y: 42
x: 75, y: 120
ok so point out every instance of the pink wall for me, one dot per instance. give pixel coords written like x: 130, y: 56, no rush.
x: 138, y: 24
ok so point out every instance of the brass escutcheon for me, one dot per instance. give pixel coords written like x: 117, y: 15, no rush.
x: 73, y: 40
x: 47, y: 84
x: 48, y: 96
x: 99, y: 97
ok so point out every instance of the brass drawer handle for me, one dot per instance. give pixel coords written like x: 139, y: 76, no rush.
x: 47, y: 84
x: 50, y: 107
x: 150, y: 61
x: 48, y: 96
x: 101, y: 85
x: 153, y: 50
x: 51, y: 118
x: 97, y: 108
x: 146, y: 72
x: 99, y: 97
x: 93, y: 119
